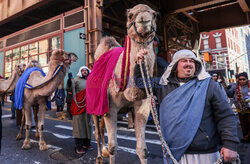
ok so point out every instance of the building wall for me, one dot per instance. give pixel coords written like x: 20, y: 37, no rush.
x: 1, y: 63
x: 73, y: 43
x: 39, y: 41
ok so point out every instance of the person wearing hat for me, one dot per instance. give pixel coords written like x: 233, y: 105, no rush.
x: 240, y: 93
x: 195, y: 117
x: 82, y: 125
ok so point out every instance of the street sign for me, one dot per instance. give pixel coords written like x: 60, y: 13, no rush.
x: 82, y: 36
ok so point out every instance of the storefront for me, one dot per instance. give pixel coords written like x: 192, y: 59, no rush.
x: 37, y: 42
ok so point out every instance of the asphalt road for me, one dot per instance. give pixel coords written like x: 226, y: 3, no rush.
x: 58, y: 135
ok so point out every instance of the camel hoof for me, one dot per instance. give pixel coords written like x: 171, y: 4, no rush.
x: 43, y: 146
x: 105, y: 152
x: 26, y: 145
x: 19, y: 136
x: 99, y: 160
x: 130, y: 127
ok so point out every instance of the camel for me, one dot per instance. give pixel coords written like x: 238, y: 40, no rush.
x: 32, y: 63
x: 141, y: 25
x: 39, y: 95
x: 9, y: 84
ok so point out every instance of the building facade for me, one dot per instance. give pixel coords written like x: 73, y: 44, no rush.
x: 228, y: 50
x: 37, y: 42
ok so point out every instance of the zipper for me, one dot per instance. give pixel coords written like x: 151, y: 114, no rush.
x: 204, y: 133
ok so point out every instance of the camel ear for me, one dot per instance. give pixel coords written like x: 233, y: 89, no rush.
x: 155, y: 14
x: 129, y: 14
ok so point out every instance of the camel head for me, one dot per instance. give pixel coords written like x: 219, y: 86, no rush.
x: 18, y: 69
x: 64, y: 57
x: 141, y: 23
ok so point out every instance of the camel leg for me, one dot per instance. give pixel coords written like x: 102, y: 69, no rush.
x: 19, y: 135
x: 130, y: 119
x: 35, y: 112
x: 111, y: 125
x: 141, y: 117
x: 99, y: 159
x: 41, y: 113
x: 27, y: 112
x: 105, y: 152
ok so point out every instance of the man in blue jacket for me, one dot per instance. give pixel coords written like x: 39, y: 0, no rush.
x: 195, y: 116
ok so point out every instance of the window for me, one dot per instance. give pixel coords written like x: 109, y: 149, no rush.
x: 218, y: 42
x: 221, y: 62
x: 205, y: 43
x: 34, y: 51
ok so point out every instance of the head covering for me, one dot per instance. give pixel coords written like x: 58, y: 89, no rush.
x: 83, y: 67
x: 215, y: 74
x: 181, y: 55
x: 244, y: 74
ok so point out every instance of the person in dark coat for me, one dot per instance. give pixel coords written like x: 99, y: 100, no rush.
x: 13, y: 109
x: 195, y: 116
x: 69, y: 95
x: 60, y: 99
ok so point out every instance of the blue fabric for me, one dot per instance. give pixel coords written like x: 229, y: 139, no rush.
x: 180, y: 115
x: 18, y: 103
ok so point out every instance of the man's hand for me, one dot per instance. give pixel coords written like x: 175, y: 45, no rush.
x: 141, y: 54
x: 228, y: 154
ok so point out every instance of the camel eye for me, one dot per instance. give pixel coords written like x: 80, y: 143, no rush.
x: 130, y: 16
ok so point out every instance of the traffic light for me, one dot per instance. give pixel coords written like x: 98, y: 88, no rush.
x: 207, y: 57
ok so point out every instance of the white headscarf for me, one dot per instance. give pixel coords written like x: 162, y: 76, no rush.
x: 180, y: 55
x: 80, y: 70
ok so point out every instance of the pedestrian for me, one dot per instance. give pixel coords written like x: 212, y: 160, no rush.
x: 195, y: 117
x: 69, y: 95
x: 240, y: 93
x: 60, y: 98
x: 82, y: 125
x: 13, y: 109
x: 218, y: 78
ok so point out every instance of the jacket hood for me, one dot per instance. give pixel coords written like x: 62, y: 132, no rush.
x: 180, y: 55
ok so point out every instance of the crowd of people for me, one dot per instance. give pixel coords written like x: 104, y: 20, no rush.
x: 196, y: 116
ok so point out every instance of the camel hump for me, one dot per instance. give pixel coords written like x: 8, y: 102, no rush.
x: 107, y: 43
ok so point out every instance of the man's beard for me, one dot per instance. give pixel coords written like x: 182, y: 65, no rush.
x: 84, y: 76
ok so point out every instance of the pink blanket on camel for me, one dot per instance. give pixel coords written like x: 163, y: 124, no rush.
x: 98, y: 81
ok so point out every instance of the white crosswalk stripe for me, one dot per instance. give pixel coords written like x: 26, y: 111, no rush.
x: 6, y: 116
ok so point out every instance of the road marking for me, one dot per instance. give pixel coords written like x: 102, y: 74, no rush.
x: 64, y: 127
x: 61, y: 136
x: 56, y: 148
x: 129, y: 150
x: 152, y: 141
x: 6, y: 115
x: 148, y: 126
x: 119, y: 128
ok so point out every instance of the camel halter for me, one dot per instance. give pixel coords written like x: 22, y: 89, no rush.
x: 153, y: 110
x: 149, y: 35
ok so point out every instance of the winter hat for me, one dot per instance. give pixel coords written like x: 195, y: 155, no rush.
x: 244, y: 74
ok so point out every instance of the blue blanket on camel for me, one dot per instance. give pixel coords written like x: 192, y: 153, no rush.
x: 21, y: 84
x: 180, y: 116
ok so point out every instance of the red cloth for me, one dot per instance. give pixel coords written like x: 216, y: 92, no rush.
x: 98, y: 81
x: 79, y: 97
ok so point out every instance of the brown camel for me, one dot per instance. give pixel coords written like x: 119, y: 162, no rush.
x: 32, y: 63
x: 141, y: 25
x: 39, y: 95
x: 10, y: 84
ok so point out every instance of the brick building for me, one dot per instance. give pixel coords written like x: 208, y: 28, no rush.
x: 228, y: 50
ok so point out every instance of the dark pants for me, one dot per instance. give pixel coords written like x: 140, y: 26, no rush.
x: 245, y: 125
x: 68, y: 110
x: 13, y: 110
x: 80, y: 142
x: 59, y: 108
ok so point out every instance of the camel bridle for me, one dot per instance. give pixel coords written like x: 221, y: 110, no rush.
x: 151, y: 33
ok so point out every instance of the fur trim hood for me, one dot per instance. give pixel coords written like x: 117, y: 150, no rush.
x: 180, y: 55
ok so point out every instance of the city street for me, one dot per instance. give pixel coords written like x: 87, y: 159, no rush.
x: 58, y: 135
